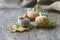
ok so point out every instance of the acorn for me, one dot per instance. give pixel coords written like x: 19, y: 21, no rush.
x: 24, y: 21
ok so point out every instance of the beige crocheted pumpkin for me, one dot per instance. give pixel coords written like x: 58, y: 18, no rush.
x: 41, y: 19
x: 32, y: 14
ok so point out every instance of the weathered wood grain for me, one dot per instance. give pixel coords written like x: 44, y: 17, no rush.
x: 9, y: 17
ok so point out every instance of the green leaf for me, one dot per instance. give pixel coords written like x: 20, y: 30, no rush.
x: 18, y: 25
x: 29, y: 27
x: 47, y: 24
x: 36, y: 7
x: 52, y: 24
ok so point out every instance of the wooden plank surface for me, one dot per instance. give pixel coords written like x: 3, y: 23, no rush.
x: 9, y: 17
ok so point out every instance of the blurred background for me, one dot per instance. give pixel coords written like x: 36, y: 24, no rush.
x: 25, y: 3
x: 28, y: 3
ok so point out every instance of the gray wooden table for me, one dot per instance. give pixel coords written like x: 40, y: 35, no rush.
x: 9, y: 17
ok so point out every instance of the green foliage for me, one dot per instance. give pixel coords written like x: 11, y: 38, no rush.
x: 36, y: 7
x: 29, y: 27
x: 18, y: 25
x: 47, y: 24
x: 26, y: 28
